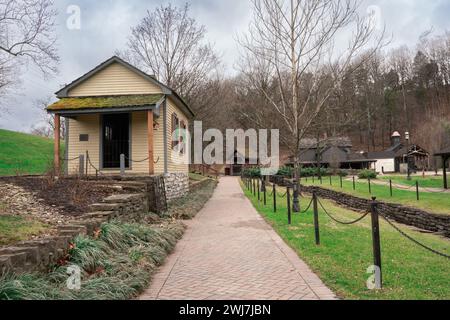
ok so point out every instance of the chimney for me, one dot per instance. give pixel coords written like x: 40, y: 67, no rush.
x: 395, y: 139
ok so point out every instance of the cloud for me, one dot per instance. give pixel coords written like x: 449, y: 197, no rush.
x: 106, y: 25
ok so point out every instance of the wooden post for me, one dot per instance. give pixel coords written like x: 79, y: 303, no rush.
x: 370, y: 187
x: 340, y: 178
x: 376, y: 244
x: 150, y: 134
x: 264, y: 189
x: 316, y: 219
x: 259, y: 190
x: 354, y: 184
x: 417, y: 190
x: 390, y: 186
x: 288, y: 195
x: 57, y: 160
x: 274, y: 188
x: 445, y: 159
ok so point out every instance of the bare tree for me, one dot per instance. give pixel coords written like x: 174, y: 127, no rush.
x: 46, y: 127
x: 294, y: 42
x: 171, y: 45
x: 27, y: 30
x: 26, y: 36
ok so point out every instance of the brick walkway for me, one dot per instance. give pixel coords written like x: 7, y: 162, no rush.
x: 229, y: 252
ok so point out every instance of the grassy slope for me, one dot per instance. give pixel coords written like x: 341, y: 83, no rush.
x: 346, y: 252
x: 14, y: 229
x: 432, y: 202
x: 196, y: 177
x: 24, y: 154
x: 428, y: 182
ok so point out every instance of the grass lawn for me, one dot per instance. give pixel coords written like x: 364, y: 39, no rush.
x: 427, y: 182
x: 433, y: 202
x: 14, y: 229
x: 342, y: 259
x: 24, y: 154
x: 196, y: 177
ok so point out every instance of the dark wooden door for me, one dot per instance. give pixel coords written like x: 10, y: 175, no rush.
x: 116, y: 140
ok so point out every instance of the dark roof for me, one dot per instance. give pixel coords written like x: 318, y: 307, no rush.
x: 66, y: 104
x: 395, y: 148
x: 63, y: 93
x: 398, y: 151
x: 381, y: 155
x: 311, y: 143
x: 413, y: 150
x: 443, y: 152
x: 334, y: 154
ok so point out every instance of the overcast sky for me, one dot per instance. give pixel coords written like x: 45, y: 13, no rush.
x: 105, y: 25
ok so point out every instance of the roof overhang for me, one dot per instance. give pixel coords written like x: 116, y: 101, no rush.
x: 73, y: 113
x: 101, y: 105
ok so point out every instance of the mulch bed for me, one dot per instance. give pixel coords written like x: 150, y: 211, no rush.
x: 72, y: 197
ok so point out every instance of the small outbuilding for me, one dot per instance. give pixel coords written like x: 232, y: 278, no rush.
x: 396, y: 157
x: 331, y: 153
x: 118, y: 116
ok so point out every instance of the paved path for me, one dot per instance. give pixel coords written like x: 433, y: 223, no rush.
x: 229, y: 252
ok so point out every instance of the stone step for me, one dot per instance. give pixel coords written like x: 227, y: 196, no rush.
x: 71, y: 233
x: 32, y: 253
x: 122, y: 198
x: 5, y: 264
x: 105, y: 207
x: 92, y: 225
x: 62, y: 241
x: 99, y: 214
x: 72, y: 229
x: 17, y: 260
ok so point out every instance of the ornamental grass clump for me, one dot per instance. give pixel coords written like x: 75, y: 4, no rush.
x: 117, y: 265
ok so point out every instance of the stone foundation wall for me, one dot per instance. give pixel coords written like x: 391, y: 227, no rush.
x: 177, y: 185
x: 402, y: 214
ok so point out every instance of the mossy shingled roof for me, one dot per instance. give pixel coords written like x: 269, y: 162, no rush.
x: 65, y: 104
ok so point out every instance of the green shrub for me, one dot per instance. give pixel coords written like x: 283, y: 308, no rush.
x: 304, y: 172
x: 342, y: 173
x: 286, y: 171
x: 367, y: 174
x: 252, y: 173
x: 309, y: 172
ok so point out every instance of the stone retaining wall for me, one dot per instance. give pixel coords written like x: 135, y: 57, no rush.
x: 177, y: 185
x: 31, y: 256
x: 402, y: 214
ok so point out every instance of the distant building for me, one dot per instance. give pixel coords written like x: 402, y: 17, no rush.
x: 241, y: 159
x: 332, y: 153
x: 395, y: 159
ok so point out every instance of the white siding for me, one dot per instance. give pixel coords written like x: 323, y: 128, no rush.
x: 387, y: 164
x: 114, y: 80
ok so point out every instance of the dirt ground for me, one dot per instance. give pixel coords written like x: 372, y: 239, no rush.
x: 68, y: 197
